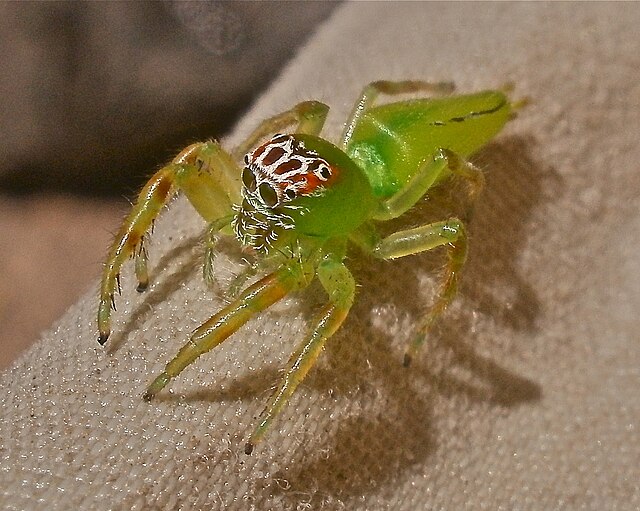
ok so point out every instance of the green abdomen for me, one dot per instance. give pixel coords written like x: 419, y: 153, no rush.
x: 390, y: 142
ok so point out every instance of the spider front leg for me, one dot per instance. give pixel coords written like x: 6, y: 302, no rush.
x: 340, y: 286
x: 220, y: 326
x: 211, y: 181
x: 452, y: 235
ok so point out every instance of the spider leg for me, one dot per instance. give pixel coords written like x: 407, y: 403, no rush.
x: 210, y: 180
x: 140, y: 265
x: 452, y: 235
x: 220, y: 326
x: 238, y: 282
x: 370, y: 93
x: 443, y: 162
x: 210, y: 240
x: 308, y: 117
x: 340, y: 286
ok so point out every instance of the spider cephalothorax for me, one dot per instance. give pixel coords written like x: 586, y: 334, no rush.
x: 276, y: 174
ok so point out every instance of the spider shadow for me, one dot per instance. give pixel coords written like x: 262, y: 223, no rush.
x: 366, y: 453
x: 245, y: 387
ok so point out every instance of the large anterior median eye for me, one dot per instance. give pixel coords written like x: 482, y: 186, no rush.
x: 268, y: 194
x: 248, y: 179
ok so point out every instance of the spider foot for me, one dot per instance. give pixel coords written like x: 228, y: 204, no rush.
x: 156, y: 386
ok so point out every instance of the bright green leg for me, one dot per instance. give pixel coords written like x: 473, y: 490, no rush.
x: 307, y: 117
x: 219, y: 327
x: 451, y: 234
x: 204, y: 172
x: 443, y: 162
x: 340, y: 286
x: 370, y: 93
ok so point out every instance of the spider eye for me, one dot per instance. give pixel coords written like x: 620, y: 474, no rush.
x: 268, y: 194
x: 290, y: 193
x: 325, y: 172
x: 248, y: 179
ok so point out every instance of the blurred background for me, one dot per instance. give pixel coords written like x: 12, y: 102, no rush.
x: 93, y: 98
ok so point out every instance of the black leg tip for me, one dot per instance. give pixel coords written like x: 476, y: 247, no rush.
x: 142, y: 287
x: 147, y: 396
x: 248, y: 448
x: 406, y: 362
x: 102, y: 339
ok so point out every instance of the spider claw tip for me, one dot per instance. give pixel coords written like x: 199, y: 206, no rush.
x: 248, y: 448
x: 406, y: 362
x: 142, y: 287
x: 102, y: 338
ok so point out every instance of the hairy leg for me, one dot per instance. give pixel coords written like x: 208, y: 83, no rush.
x: 444, y: 161
x: 307, y: 117
x: 450, y: 234
x: 204, y: 172
x: 220, y: 326
x: 340, y: 286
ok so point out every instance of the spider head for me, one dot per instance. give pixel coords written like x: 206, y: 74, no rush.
x: 276, y: 175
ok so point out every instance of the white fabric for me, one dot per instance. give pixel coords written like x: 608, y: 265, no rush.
x: 526, y: 397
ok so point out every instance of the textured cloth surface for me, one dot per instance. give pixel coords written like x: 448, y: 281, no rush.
x: 526, y: 396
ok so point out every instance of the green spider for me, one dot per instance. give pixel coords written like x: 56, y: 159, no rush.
x: 299, y: 201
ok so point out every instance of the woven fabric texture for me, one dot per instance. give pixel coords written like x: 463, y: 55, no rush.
x: 526, y: 395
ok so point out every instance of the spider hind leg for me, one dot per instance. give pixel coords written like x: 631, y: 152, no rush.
x: 450, y: 234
